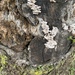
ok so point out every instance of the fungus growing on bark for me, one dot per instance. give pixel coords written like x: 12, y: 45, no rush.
x: 35, y: 8
x: 52, y: 0
x: 48, y: 34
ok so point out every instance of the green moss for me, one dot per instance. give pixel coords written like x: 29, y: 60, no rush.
x: 72, y: 39
x: 3, y: 62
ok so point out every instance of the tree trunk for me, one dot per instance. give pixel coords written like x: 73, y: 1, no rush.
x: 22, y: 34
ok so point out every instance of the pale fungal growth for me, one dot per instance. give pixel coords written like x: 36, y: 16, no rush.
x: 53, y: 1
x: 69, y: 23
x: 50, y: 38
x: 72, y: 29
x: 35, y: 8
x: 64, y: 26
x: 54, y: 31
x: 45, y: 27
x: 48, y: 34
x: 50, y: 44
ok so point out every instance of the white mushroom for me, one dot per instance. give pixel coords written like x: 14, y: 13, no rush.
x: 35, y: 8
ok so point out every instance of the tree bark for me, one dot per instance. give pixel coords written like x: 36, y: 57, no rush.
x: 20, y: 29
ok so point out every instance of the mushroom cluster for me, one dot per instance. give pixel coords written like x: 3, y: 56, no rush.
x: 49, y: 34
x: 35, y: 8
x: 52, y: 0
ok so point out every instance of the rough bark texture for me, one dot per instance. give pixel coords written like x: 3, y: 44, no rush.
x: 20, y: 31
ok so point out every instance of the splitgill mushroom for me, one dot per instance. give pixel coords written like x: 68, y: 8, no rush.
x: 46, y: 17
x: 40, y: 27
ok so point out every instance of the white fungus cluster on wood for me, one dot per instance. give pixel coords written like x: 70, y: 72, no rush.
x: 65, y: 27
x: 49, y: 34
x: 50, y: 38
x: 52, y: 0
x: 70, y: 28
x: 35, y: 8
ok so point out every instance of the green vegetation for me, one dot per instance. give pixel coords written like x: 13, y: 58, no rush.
x: 72, y: 39
x: 40, y: 70
x: 3, y: 62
